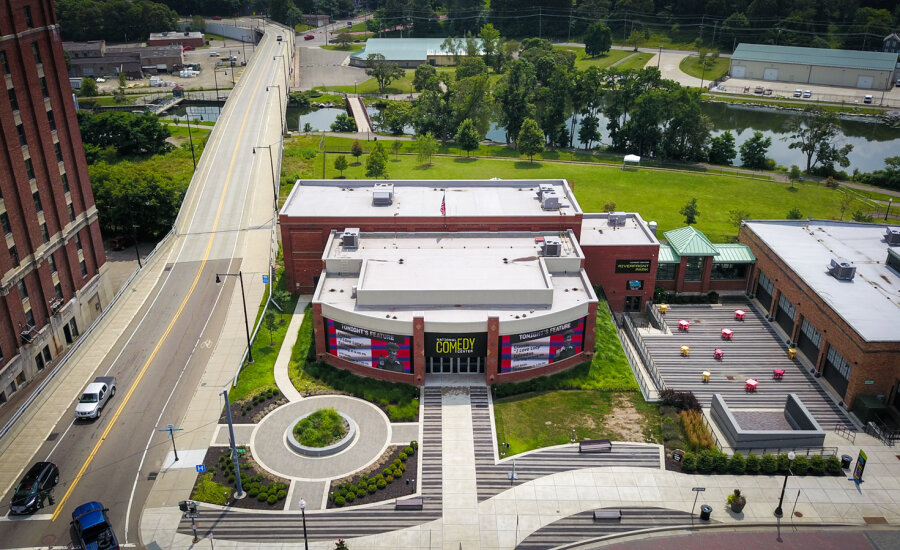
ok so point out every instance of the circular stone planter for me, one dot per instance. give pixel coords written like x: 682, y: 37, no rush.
x: 332, y: 449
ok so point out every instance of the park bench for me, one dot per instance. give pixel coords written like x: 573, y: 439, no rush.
x: 415, y: 503
x: 595, y: 446
x: 615, y: 515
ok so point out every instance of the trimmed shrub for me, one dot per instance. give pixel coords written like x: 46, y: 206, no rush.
x: 262, y: 497
x: 833, y: 466
x: 361, y: 492
x: 339, y: 501
x: 409, y: 451
x: 403, y: 457
x: 705, y: 462
x: 272, y: 500
x: 402, y: 468
x: 681, y: 400
x: 783, y: 463
x: 689, y: 463
x: 386, y: 473
x: 379, y: 477
x: 381, y: 484
x: 414, y: 444
x: 800, y: 465
x: 350, y: 497
x: 737, y: 465
x: 389, y: 478
x: 371, y: 489
x: 768, y: 464
x: 281, y: 494
x: 817, y: 465
x: 253, y: 492
x: 720, y: 461
x: 752, y: 464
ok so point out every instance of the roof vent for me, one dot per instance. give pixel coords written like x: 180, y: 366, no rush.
x: 652, y: 226
x: 383, y: 194
x: 842, y: 269
x: 545, y: 188
x: 617, y: 219
x: 892, y: 236
x: 552, y: 247
x: 350, y: 237
x: 549, y: 200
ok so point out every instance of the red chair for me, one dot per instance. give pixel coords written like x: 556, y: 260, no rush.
x: 750, y: 384
x: 727, y: 333
x: 684, y: 325
x: 778, y: 374
x: 718, y: 354
x: 739, y: 314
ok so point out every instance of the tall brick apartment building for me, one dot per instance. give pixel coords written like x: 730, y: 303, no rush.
x: 51, y: 284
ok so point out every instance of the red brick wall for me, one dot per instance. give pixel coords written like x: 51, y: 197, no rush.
x: 877, y: 361
x: 600, y: 265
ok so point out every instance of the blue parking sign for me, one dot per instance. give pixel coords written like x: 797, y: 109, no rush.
x: 201, y: 468
x: 265, y: 279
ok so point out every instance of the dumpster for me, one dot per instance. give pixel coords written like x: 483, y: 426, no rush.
x: 705, y: 511
x: 845, y: 461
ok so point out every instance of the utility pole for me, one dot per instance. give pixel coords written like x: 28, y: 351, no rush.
x: 234, y: 453
x: 191, y: 139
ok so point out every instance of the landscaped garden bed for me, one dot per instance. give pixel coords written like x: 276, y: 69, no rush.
x: 252, y: 409
x: 217, y: 485
x: 321, y: 428
x: 391, y: 476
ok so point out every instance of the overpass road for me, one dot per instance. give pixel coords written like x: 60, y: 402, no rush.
x: 161, y: 355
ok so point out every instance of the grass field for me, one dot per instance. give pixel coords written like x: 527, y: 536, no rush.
x: 400, y: 86
x: 347, y: 48
x: 636, y: 61
x: 691, y: 65
x: 583, y: 61
x: 657, y: 194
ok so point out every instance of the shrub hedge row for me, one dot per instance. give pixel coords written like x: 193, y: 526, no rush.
x: 715, y: 461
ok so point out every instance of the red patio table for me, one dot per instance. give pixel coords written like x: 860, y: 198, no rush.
x: 727, y: 333
x: 739, y: 314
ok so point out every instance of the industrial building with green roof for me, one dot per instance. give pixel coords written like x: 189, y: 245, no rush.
x: 410, y: 52
x: 818, y: 66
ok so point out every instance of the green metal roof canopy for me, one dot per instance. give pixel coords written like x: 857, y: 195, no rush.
x: 734, y: 254
x: 688, y: 241
x: 878, y: 61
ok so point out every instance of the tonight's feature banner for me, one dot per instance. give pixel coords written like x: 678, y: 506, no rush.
x: 528, y: 350
x: 370, y: 348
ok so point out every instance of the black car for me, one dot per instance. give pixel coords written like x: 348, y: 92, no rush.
x: 34, y: 488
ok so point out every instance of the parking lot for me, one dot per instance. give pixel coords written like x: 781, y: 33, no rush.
x: 786, y: 90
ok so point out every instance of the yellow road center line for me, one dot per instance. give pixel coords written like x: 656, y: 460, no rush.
x: 175, y: 318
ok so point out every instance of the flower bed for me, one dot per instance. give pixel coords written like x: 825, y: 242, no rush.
x: 264, y: 491
x: 321, y: 428
x: 392, y: 476
x: 252, y: 409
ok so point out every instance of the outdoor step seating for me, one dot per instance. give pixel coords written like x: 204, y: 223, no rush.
x: 727, y: 333
x: 778, y: 374
x: 706, y: 375
x: 612, y: 515
x: 415, y: 503
x: 750, y: 384
x: 595, y: 446
x: 739, y: 314
x: 685, y: 351
x: 718, y: 354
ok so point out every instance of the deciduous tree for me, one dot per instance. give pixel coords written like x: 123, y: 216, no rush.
x: 531, y: 139
x: 356, y: 150
x: 467, y: 136
x: 426, y: 78
x: 690, y: 212
x: 753, y: 151
x: 382, y: 71
x: 815, y: 133
x: 426, y: 146
x: 340, y: 163
x: 597, y: 40
x: 376, y: 163
x: 721, y: 149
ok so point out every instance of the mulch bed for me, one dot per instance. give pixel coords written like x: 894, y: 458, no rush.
x: 397, y: 489
x: 248, y: 468
x: 240, y: 414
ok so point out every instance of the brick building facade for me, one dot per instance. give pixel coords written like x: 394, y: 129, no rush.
x: 51, y: 284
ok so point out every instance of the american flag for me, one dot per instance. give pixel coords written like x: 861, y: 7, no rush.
x: 444, y: 205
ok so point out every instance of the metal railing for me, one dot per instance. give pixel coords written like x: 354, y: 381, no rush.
x: 845, y: 432
x: 644, y: 353
x: 635, y: 368
x: 882, y: 432
x: 807, y: 451
x: 658, y: 317
x: 711, y: 431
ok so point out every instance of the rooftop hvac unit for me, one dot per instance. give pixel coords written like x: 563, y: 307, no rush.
x: 545, y: 188
x: 350, y: 237
x: 383, y: 194
x: 892, y: 236
x: 549, y: 200
x: 552, y: 247
x: 842, y: 269
x: 617, y: 218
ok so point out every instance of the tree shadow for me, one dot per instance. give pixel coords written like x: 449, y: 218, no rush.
x: 526, y: 165
x: 465, y: 160
x: 550, y: 155
x: 422, y: 167
x: 792, y: 189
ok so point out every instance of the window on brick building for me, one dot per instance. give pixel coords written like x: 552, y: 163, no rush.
x: 44, y: 233
x: 29, y: 169
x: 71, y: 212
x: 665, y: 272
x: 29, y: 20
x: 78, y: 241
x: 13, y: 102
x: 36, y: 52
x: 693, y: 268
x: 4, y: 223
x: 728, y: 271
x: 58, y: 289
x: 52, y: 261
x: 44, y: 90
x: 23, y: 290
x: 65, y: 182
x: 58, y: 151
x: 4, y: 62
x: 52, y: 120
x: 83, y: 269
x: 29, y: 317
x: 37, y: 201
x: 14, y: 255
x: 20, y: 129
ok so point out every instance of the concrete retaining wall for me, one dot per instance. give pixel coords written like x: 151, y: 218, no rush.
x: 806, y: 432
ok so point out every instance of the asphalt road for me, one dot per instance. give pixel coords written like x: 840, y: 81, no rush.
x: 160, y: 358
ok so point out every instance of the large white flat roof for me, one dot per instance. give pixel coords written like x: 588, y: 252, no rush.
x: 870, y: 303
x: 596, y: 230
x: 422, y: 198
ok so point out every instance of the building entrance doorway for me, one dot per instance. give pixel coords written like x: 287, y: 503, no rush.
x: 632, y: 303
x: 454, y: 365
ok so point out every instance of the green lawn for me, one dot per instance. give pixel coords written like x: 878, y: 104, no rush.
x: 347, y: 48
x: 657, y: 194
x: 636, y: 61
x: 691, y: 65
x: 583, y: 61
x: 400, y: 86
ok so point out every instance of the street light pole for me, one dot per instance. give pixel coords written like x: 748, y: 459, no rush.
x: 286, y: 87
x: 137, y: 251
x: 240, y: 275
x: 234, y: 453
x: 888, y: 211
x: 191, y: 139
x: 272, y: 167
x: 216, y: 83
x: 303, y: 514
x: 280, y: 117
x: 778, y: 511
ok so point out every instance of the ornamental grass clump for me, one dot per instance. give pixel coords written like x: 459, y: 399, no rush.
x: 321, y: 428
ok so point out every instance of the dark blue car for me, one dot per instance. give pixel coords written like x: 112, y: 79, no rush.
x: 92, y: 528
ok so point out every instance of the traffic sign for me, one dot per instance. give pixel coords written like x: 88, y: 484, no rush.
x: 265, y: 279
x: 241, y: 451
x: 201, y: 468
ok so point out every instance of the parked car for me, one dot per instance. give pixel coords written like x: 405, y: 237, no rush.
x: 35, y: 485
x: 217, y: 17
x: 214, y: 54
x: 798, y: 93
x: 308, y: 37
x: 758, y: 90
x: 187, y: 48
x: 92, y: 528
x: 807, y: 94
x: 95, y: 396
x: 867, y: 99
x: 279, y: 38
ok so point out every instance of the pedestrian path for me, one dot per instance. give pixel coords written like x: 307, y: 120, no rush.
x: 283, y: 361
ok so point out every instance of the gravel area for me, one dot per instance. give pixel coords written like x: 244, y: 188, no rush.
x: 761, y: 420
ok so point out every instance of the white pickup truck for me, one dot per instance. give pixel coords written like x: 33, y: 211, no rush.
x: 95, y: 396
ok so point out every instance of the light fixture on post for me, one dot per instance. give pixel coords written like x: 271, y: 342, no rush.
x: 303, y: 514
x: 280, y: 117
x: 272, y: 167
x: 888, y: 211
x: 286, y: 87
x: 240, y: 276
x: 778, y: 512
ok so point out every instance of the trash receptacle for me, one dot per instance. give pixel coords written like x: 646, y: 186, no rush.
x: 705, y: 511
x: 845, y: 461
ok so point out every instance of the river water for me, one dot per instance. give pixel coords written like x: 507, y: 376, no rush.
x: 872, y: 140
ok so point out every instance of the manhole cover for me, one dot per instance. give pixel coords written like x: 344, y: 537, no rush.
x: 798, y: 514
x: 53, y: 436
x: 48, y: 540
x: 874, y: 520
x: 152, y: 476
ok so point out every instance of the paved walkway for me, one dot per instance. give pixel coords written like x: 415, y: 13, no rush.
x: 283, y: 361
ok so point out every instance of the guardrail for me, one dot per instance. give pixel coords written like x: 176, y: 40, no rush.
x: 711, y: 431
x: 807, y: 451
x: 644, y: 353
x: 845, y: 432
x: 635, y: 369
x: 657, y: 316
x: 880, y: 431
x: 77, y: 344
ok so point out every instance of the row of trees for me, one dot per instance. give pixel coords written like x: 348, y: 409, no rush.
x: 113, y: 20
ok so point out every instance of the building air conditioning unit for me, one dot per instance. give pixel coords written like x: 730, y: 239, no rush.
x: 892, y: 236
x: 27, y: 334
x: 383, y: 194
x: 842, y: 269
x: 545, y: 188
x: 55, y: 305
x: 549, y: 200
x: 617, y: 219
x: 552, y: 247
x: 350, y: 237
